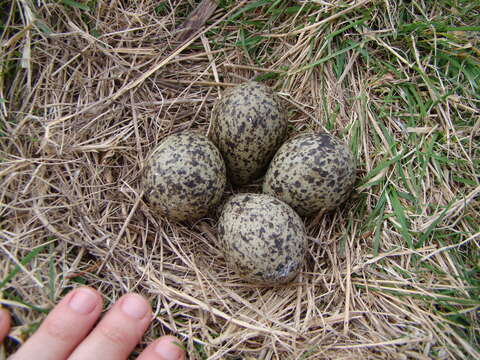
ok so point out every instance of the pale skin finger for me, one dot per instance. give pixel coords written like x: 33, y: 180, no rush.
x: 118, y: 332
x: 71, y: 320
x: 64, y: 328
x: 4, y: 324
x: 164, y: 348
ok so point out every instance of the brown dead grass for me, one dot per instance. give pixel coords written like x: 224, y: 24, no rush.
x: 83, y: 113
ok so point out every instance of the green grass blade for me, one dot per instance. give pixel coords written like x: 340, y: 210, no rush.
x: 400, y: 216
x: 248, y: 7
x: 30, y: 256
x: 329, y: 57
x: 75, y: 4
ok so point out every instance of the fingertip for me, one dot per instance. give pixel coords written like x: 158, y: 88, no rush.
x: 135, y: 306
x: 170, y: 348
x: 84, y: 300
x: 5, y: 322
x: 90, y: 290
x: 119, y: 331
x: 165, y: 348
x: 67, y: 325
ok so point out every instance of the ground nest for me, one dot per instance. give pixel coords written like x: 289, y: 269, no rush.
x: 88, y: 88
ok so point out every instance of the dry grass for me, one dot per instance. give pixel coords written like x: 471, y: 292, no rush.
x: 86, y: 93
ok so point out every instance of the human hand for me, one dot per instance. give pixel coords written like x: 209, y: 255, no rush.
x: 67, y: 331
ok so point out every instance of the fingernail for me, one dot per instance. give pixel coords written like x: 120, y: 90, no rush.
x: 168, y: 349
x: 134, y: 306
x: 83, y: 301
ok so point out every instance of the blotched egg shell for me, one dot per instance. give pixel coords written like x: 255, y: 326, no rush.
x: 248, y: 125
x: 184, y: 177
x: 263, y: 239
x: 311, y: 172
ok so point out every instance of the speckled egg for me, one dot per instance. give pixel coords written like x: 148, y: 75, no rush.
x: 184, y: 177
x: 263, y: 239
x: 248, y: 125
x: 312, y: 172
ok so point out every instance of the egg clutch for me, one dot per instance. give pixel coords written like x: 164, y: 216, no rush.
x: 262, y: 235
